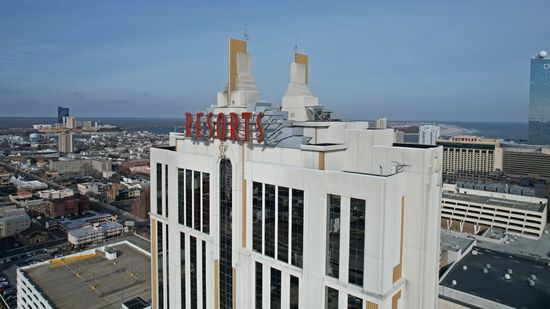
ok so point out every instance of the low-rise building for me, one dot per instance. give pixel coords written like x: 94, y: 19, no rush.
x: 516, y: 214
x: 71, y: 166
x: 55, y: 194
x: 96, y: 233
x: 106, y: 277
x: 13, y: 220
x: 86, y: 220
x: 93, y: 187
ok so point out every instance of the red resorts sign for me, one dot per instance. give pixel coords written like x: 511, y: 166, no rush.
x: 212, y: 126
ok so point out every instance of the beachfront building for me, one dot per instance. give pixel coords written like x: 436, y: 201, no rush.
x: 539, y: 100
x: 469, y: 157
x: 264, y: 206
x: 428, y: 134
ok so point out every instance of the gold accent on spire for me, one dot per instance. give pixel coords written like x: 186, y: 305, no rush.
x: 302, y: 59
x: 235, y: 46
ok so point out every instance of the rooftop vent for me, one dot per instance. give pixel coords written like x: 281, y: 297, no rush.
x: 533, y: 277
x: 507, y: 277
x: 531, y: 282
x: 510, y: 271
x: 464, y: 267
x: 453, y: 282
x: 485, y: 270
x: 488, y: 266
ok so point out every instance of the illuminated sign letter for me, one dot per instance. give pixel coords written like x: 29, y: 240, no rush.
x: 260, y: 129
x: 209, y: 125
x: 234, y: 121
x: 220, y: 126
x: 198, y: 133
x: 246, y: 117
x: 188, y: 123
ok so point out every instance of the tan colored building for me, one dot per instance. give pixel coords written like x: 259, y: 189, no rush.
x: 470, y: 157
x: 13, y: 220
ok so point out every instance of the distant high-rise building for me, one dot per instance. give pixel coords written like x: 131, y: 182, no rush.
x: 428, y: 134
x: 65, y: 142
x: 382, y: 123
x: 62, y: 112
x: 71, y: 122
x: 539, y: 100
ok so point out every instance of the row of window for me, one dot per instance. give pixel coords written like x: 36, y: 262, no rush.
x: 275, y: 293
x: 277, y: 219
x: 356, y: 239
x: 194, y: 199
x: 331, y: 300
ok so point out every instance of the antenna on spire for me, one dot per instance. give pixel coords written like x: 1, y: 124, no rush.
x: 246, y: 32
x: 295, y: 43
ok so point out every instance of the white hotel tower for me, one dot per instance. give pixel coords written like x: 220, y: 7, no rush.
x: 320, y: 213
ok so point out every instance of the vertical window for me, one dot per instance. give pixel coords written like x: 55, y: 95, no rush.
x: 275, y: 288
x: 188, y: 198
x: 166, y: 189
x: 204, y: 274
x: 270, y: 220
x: 226, y: 207
x: 206, y: 203
x: 297, y: 227
x: 257, y: 216
x: 259, y: 285
x: 197, y: 194
x: 354, y: 302
x: 282, y: 215
x: 193, y: 270
x: 167, y: 269
x: 182, y: 266
x: 181, y: 196
x: 160, y: 278
x: 357, y: 241
x: 333, y: 235
x: 159, y: 189
x: 294, y: 292
x: 331, y: 298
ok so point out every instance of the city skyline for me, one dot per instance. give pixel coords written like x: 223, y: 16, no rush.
x: 165, y: 59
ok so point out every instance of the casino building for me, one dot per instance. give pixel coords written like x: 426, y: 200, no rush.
x: 265, y: 206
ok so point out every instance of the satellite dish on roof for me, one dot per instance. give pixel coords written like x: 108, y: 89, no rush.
x: 543, y: 54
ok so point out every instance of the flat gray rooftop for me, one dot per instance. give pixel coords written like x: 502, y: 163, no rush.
x: 515, y: 292
x: 95, y: 282
x: 535, y: 207
x: 454, y: 242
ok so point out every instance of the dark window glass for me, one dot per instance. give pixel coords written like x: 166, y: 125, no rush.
x: 282, y: 227
x: 167, y: 269
x: 331, y: 298
x: 181, y: 196
x: 297, y: 227
x: 357, y: 241
x: 226, y: 207
x: 257, y: 217
x: 197, y: 193
x: 182, y: 264
x: 259, y: 285
x: 159, y: 189
x: 270, y: 220
x: 275, y: 288
x: 188, y: 198
x: 294, y: 292
x: 160, y: 278
x: 193, y: 270
x: 204, y: 274
x: 354, y: 302
x: 333, y: 235
x: 205, y: 203
x: 166, y: 189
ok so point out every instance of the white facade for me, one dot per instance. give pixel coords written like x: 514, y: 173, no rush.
x: 276, y: 190
x: 428, y: 134
x: 382, y: 123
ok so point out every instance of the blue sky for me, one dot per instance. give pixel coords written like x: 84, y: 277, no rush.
x: 407, y: 60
